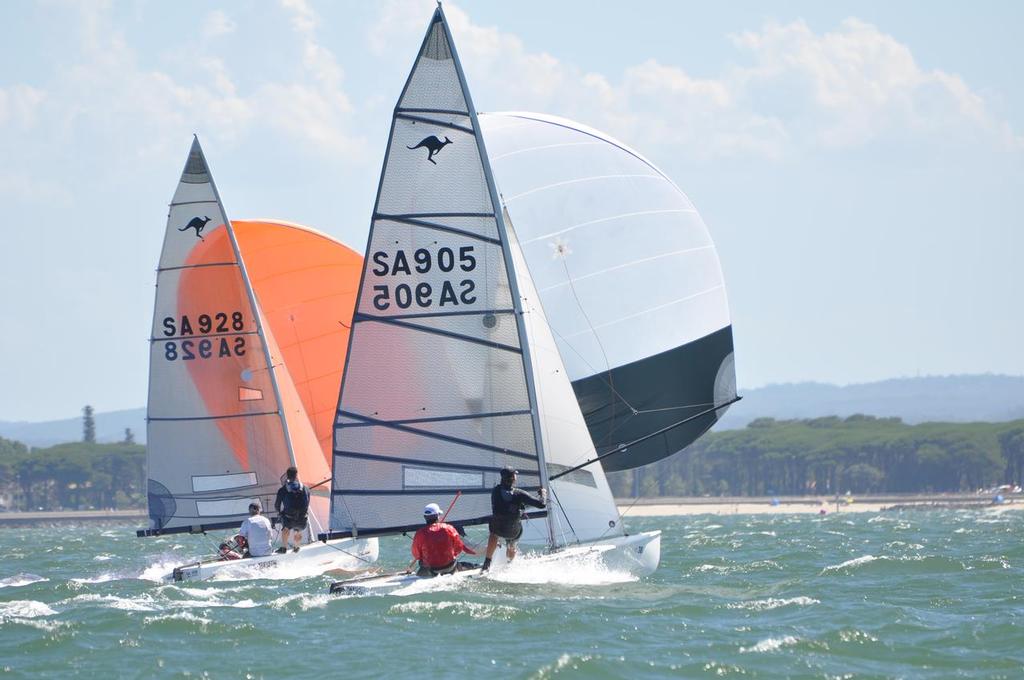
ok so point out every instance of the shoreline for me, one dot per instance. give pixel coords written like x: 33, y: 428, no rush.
x: 640, y: 507
x: 792, y: 505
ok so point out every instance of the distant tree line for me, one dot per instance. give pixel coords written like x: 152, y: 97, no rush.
x: 821, y: 456
x: 75, y: 476
x: 825, y: 456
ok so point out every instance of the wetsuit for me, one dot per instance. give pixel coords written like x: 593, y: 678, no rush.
x: 292, y: 504
x: 507, y: 505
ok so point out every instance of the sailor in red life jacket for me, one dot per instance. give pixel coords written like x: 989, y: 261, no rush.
x: 437, y: 545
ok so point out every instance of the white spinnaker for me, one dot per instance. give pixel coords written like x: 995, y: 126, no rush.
x: 215, y: 434
x: 581, y: 504
x: 628, y: 275
x: 435, y: 398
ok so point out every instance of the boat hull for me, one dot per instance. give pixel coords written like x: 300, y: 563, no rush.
x: 637, y: 554
x: 345, y: 555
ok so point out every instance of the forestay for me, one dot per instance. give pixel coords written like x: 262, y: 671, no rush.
x: 630, y: 280
x: 436, y: 396
x: 217, y: 435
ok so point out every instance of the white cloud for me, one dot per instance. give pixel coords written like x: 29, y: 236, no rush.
x: 19, y: 105
x: 218, y: 23
x: 798, y: 90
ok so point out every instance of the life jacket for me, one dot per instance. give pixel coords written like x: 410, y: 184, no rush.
x: 505, y: 503
x: 296, y: 499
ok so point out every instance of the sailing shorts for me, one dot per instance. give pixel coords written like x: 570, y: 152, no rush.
x: 509, y: 528
x: 296, y: 522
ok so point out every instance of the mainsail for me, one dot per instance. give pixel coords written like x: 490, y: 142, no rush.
x: 629, y: 277
x: 437, y: 395
x: 224, y: 419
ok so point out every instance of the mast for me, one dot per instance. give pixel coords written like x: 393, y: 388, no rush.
x: 258, y: 318
x: 517, y: 301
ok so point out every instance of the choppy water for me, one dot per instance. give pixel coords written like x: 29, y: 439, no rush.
x: 918, y: 594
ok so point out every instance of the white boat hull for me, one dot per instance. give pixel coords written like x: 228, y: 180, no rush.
x: 346, y: 554
x: 638, y: 554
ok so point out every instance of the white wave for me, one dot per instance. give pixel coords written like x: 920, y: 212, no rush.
x: 774, y: 603
x: 21, y: 580
x: 771, y: 644
x: 306, y: 601
x: 849, y: 564
x: 142, y: 603
x: 99, y: 578
x: 586, y: 569
x: 566, y: 662
x: 178, y: 616
x: 474, y: 610
x: 103, y: 557
x: 24, y: 609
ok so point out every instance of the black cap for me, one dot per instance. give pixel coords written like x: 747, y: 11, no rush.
x: 508, y: 472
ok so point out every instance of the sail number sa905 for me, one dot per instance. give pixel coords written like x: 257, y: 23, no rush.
x: 187, y: 349
x: 454, y: 291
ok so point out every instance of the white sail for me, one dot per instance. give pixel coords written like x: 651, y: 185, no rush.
x: 437, y: 394
x: 216, y: 435
x: 630, y: 279
x: 581, y: 505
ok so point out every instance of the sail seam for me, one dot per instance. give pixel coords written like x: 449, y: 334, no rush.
x: 437, y: 331
x: 439, y: 419
x: 197, y: 266
x: 402, y: 109
x: 433, y: 315
x: 209, y: 200
x: 435, y: 214
x: 420, y: 463
x: 437, y: 435
x: 439, y: 123
x: 233, y: 415
x: 200, y: 337
x: 439, y: 227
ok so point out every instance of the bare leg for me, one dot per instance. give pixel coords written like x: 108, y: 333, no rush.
x: 285, y: 535
x: 492, y: 545
x: 510, y: 550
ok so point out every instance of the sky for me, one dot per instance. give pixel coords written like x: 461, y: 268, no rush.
x: 859, y: 165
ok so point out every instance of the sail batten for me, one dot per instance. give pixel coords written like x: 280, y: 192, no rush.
x: 437, y: 395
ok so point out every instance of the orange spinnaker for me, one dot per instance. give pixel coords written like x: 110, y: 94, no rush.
x: 305, y: 284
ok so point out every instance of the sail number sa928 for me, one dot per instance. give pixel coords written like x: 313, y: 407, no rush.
x: 454, y: 291
x: 187, y: 349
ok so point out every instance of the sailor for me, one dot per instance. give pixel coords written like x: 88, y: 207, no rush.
x: 257, y: 531
x: 292, y: 505
x: 226, y: 551
x: 507, y: 507
x: 437, y: 545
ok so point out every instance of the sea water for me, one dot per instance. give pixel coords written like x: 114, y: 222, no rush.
x: 916, y: 594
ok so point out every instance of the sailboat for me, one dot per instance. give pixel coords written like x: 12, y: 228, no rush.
x: 225, y: 417
x: 452, y: 370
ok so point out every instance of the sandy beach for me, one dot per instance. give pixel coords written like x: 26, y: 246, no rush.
x: 669, y: 507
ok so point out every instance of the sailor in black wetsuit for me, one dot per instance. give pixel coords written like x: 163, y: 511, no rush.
x: 507, y: 506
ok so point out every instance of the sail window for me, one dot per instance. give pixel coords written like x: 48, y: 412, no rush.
x: 427, y: 478
x: 584, y: 477
x: 239, y: 480
x: 249, y: 394
x: 224, y: 508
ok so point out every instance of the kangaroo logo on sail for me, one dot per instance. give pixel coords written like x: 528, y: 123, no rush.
x: 197, y: 223
x: 449, y: 293
x: 433, y: 145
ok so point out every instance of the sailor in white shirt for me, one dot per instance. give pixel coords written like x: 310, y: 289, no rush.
x: 257, y: 531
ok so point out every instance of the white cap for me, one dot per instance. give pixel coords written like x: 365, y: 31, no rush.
x: 432, y: 510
